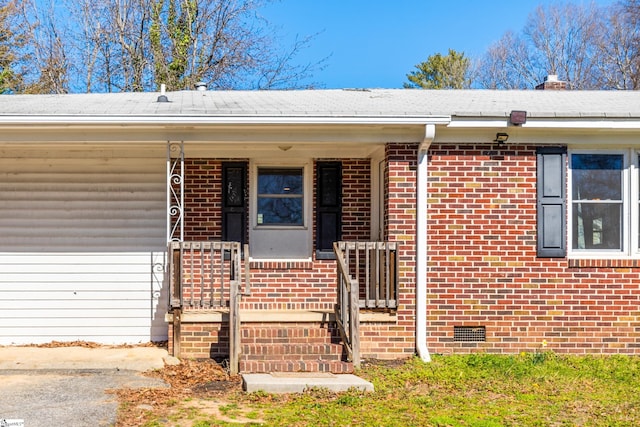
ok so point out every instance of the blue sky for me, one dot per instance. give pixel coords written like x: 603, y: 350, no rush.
x: 376, y: 43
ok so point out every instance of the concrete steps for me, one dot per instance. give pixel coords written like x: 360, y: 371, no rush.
x: 300, y: 382
x: 289, y: 348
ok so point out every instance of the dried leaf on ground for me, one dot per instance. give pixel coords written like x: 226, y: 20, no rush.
x: 90, y: 344
x: 189, y: 379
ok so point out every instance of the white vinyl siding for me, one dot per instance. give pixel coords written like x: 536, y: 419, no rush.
x: 82, y: 240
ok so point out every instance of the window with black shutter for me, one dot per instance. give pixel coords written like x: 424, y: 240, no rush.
x: 551, y: 206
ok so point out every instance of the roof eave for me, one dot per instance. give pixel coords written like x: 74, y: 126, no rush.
x: 196, y: 120
x: 536, y: 122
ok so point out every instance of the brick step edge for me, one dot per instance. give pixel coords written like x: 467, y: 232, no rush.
x: 291, y: 350
x: 254, y: 367
x: 291, y: 340
x: 285, y: 332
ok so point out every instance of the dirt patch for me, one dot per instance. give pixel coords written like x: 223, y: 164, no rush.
x: 193, y: 384
x: 221, y: 411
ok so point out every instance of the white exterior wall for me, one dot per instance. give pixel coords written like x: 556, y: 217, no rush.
x: 82, y: 242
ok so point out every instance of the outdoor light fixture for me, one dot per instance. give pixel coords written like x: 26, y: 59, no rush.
x: 501, y: 137
x: 518, y: 117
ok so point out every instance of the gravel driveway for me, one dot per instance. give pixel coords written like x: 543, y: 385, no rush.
x: 50, y: 394
x: 66, y: 397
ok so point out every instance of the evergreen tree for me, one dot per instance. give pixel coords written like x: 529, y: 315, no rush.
x: 450, y: 71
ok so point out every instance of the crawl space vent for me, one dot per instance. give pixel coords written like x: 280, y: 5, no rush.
x: 469, y: 334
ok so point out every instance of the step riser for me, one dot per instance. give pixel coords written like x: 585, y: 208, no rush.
x: 289, y: 337
x: 292, y: 349
x: 294, y: 358
x: 285, y: 341
x: 295, y: 366
x: 290, y: 333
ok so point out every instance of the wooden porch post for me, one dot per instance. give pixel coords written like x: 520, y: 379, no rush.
x: 177, y: 319
x: 176, y: 297
x: 354, y: 324
x: 234, y: 327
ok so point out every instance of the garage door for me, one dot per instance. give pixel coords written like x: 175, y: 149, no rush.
x: 82, y: 239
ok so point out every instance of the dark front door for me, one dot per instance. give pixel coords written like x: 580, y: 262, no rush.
x: 234, y: 202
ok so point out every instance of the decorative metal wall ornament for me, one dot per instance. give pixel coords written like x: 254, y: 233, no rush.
x: 175, y: 191
x: 158, y: 272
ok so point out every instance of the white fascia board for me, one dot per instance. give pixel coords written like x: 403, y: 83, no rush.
x: 486, y: 123
x: 583, y: 124
x: 531, y: 123
x: 169, y: 120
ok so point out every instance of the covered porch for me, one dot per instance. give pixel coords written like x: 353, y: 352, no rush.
x: 300, y: 260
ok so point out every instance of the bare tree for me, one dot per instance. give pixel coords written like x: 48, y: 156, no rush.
x: 136, y: 45
x: 11, y: 40
x: 280, y: 70
x: 203, y: 41
x: 110, y: 45
x: 587, y: 46
x: 506, y: 65
x: 564, y: 40
x: 47, y: 70
x: 625, y: 44
x: 619, y: 49
x: 222, y: 44
x: 92, y: 39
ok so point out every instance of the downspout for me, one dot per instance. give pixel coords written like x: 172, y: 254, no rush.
x: 421, y: 244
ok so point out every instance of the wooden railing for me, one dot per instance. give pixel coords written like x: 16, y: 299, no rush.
x: 347, y: 310
x: 208, y: 275
x: 367, y: 278
x: 374, y: 266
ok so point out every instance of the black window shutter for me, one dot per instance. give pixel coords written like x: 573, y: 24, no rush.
x: 552, y: 202
x: 234, y: 202
x: 328, y: 207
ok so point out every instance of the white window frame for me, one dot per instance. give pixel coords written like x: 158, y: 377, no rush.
x: 301, y: 236
x: 630, y: 208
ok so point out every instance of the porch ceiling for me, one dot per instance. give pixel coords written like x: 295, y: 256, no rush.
x: 358, y: 140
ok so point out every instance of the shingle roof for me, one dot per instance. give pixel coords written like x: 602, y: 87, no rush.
x: 332, y: 104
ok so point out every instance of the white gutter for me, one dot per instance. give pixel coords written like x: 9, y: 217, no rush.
x: 421, y: 245
x: 558, y: 123
x: 183, y: 120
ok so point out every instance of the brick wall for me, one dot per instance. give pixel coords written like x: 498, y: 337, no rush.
x: 202, y: 199
x: 397, y: 340
x: 356, y: 199
x: 483, y: 269
x: 202, y: 340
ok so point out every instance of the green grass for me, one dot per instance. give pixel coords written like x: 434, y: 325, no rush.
x: 479, y: 390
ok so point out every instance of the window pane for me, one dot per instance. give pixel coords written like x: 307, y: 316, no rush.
x: 597, y: 176
x: 279, y: 181
x: 597, y: 226
x: 280, y: 211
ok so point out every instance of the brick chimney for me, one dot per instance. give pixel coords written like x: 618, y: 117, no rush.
x: 551, y: 82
